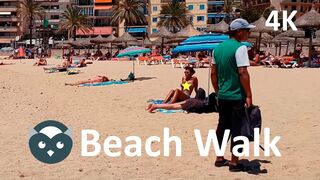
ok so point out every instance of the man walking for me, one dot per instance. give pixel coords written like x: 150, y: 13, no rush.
x: 231, y: 82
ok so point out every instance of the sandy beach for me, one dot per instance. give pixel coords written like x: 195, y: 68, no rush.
x: 289, y: 100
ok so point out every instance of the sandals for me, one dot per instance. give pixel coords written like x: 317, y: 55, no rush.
x: 221, y: 163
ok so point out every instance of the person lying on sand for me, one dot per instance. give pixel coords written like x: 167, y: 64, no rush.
x: 199, y: 104
x: 41, y: 62
x: 2, y: 63
x: 93, y: 80
x: 189, y: 83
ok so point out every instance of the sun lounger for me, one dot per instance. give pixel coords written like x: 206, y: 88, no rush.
x: 288, y: 62
x: 157, y: 59
x: 143, y: 60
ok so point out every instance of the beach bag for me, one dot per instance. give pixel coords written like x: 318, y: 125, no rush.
x: 131, y: 77
x: 251, y: 120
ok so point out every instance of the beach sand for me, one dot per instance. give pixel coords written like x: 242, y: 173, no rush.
x: 289, y: 100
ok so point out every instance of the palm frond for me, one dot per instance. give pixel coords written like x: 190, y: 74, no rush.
x: 129, y: 12
x: 74, y: 20
x: 174, y: 16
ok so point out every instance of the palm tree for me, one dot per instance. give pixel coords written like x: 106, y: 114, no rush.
x: 29, y: 11
x: 228, y: 4
x: 128, y: 11
x: 74, y: 20
x: 174, y: 16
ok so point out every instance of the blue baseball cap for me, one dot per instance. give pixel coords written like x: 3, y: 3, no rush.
x: 240, y: 24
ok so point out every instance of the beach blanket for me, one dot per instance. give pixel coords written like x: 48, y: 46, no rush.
x: 164, y: 111
x: 104, y: 83
x: 73, y: 71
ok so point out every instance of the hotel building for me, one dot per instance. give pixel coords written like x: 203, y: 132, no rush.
x: 10, y: 28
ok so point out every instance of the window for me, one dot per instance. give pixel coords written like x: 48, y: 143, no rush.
x: 190, y: 7
x: 155, y: 8
x: 202, y: 6
x: 55, y: 17
x: 200, y: 18
x: 154, y: 20
x: 154, y: 30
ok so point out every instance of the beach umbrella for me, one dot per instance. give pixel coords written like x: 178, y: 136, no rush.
x: 110, y: 40
x: 221, y: 27
x: 261, y: 28
x: 293, y: 34
x: 126, y: 37
x: 133, y: 51
x: 309, y: 21
x: 281, y: 39
x: 62, y: 46
x: 205, y: 42
x: 97, y: 40
x: 187, y: 32
x: 147, y: 42
x: 162, y: 33
x: 264, y: 36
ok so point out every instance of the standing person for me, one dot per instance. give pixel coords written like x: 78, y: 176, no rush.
x: 231, y: 81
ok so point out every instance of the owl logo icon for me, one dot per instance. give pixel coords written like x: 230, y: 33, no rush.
x: 50, y: 141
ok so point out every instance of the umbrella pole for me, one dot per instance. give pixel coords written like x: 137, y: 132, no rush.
x: 280, y: 48
x: 276, y: 50
x: 260, y: 34
x: 162, y: 42
x: 295, y: 44
x: 310, y: 52
x: 287, y: 48
x: 133, y: 68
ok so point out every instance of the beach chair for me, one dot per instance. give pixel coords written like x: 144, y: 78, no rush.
x: 157, y: 59
x: 180, y: 62
x: 288, y: 62
x: 143, y: 60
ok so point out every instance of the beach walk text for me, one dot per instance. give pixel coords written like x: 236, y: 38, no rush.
x: 132, y: 146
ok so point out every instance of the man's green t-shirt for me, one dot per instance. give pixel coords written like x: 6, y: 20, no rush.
x: 228, y: 57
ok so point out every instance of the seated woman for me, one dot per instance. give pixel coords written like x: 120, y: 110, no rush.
x: 189, y: 83
x: 93, y: 80
x: 41, y: 62
x: 82, y: 63
x: 67, y: 63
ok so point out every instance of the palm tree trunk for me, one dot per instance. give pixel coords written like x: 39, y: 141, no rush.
x: 74, y: 33
x: 30, y: 28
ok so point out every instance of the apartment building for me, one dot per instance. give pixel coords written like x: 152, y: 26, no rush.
x: 10, y: 28
x: 198, y: 10
x: 99, y: 13
x: 257, y: 3
x: 302, y: 6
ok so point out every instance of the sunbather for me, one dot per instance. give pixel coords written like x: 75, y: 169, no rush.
x: 197, y: 104
x: 2, y: 63
x: 93, y: 80
x: 41, y: 62
x: 82, y: 63
x: 189, y: 83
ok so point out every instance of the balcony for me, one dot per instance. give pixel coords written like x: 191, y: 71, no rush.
x: 6, y: 39
x: 8, y: 9
x: 8, y: 29
x: 11, y: 19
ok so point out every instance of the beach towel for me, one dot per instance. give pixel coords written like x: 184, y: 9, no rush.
x: 164, y: 111
x: 72, y: 72
x: 104, y: 83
